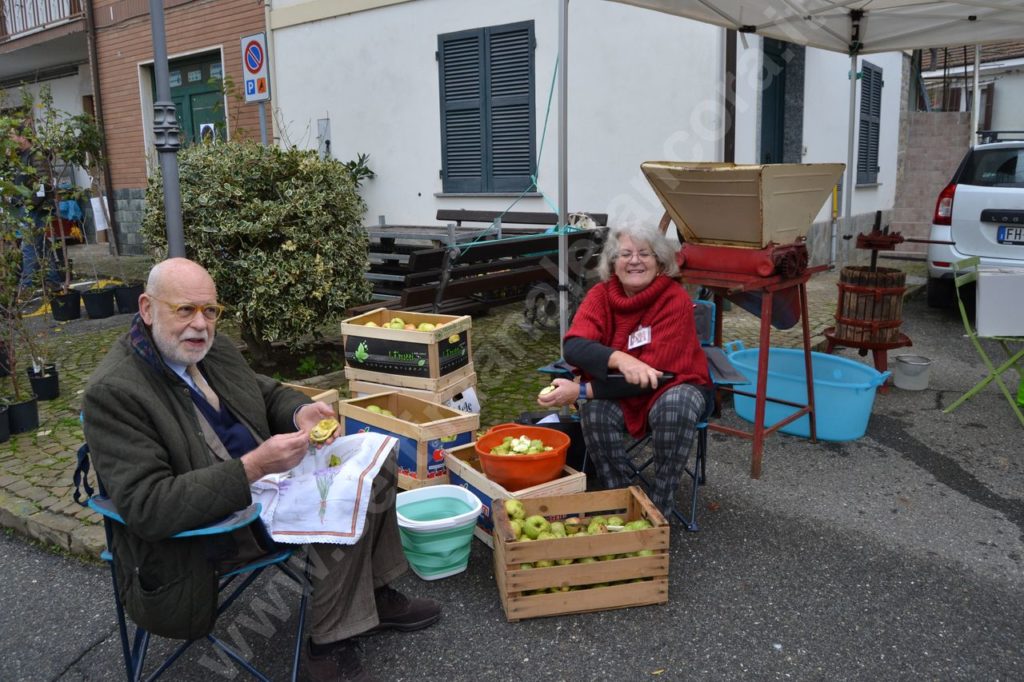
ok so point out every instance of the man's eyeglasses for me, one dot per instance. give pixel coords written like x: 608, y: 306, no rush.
x: 187, y: 311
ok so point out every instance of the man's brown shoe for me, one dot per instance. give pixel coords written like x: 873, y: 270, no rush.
x: 399, y: 612
x: 341, y: 663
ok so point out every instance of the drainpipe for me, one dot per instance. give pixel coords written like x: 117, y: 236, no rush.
x: 97, y: 102
x: 273, y: 70
x: 976, y: 100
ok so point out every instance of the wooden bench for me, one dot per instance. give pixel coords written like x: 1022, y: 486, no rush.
x: 468, y: 277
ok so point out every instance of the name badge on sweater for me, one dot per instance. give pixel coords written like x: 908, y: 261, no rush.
x: 641, y: 337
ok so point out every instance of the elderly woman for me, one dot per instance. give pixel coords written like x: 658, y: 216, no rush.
x: 642, y: 367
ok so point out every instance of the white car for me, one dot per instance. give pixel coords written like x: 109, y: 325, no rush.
x: 981, y: 211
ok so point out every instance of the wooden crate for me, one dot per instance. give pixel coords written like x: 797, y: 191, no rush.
x: 442, y: 395
x: 404, y: 357
x: 525, y: 593
x: 464, y: 469
x: 424, y: 431
x: 327, y: 395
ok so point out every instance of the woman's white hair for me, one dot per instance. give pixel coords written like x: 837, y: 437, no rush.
x: 664, y: 251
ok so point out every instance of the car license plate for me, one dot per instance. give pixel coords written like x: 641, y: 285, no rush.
x: 1011, y: 235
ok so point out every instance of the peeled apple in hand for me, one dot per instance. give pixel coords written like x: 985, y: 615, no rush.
x: 324, y: 429
x: 546, y: 390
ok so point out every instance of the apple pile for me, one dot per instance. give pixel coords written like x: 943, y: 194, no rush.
x: 537, y: 527
x: 521, y: 445
x: 399, y: 323
x: 377, y: 409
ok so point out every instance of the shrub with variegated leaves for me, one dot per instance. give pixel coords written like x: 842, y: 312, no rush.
x: 280, y: 230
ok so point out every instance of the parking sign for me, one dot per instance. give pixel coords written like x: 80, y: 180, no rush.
x: 255, y: 68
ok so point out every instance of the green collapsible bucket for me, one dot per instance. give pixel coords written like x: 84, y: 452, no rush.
x: 436, y: 526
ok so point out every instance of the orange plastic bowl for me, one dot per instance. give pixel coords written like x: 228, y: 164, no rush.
x: 515, y: 472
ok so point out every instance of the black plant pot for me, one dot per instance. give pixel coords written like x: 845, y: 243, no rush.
x: 23, y: 416
x: 99, y: 303
x: 127, y: 297
x: 5, y: 425
x: 5, y: 367
x: 46, y: 384
x: 67, y: 306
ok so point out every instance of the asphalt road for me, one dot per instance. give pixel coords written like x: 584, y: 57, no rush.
x: 899, y: 556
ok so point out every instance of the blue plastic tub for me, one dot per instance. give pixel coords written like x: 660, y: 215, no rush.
x: 436, y: 527
x: 844, y: 391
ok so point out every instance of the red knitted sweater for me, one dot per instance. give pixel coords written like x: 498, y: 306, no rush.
x: 608, y: 316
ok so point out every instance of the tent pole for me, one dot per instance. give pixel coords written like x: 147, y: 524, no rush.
x: 976, y: 99
x: 563, y: 172
x: 850, y: 170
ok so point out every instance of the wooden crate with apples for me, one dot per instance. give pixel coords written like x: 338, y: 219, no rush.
x: 450, y: 394
x: 424, y: 430
x: 327, y: 395
x: 464, y: 469
x: 582, y: 572
x: 407, y: 349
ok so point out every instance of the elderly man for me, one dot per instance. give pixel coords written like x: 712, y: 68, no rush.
x: 179, y: 426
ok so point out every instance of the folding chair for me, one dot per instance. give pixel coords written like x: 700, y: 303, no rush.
x: 966, y: 272
x: 134, y: 645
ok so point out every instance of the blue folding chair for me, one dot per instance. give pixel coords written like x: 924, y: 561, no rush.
x: 135, y: 641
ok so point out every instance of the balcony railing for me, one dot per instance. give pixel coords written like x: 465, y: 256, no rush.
x: 22, y: 16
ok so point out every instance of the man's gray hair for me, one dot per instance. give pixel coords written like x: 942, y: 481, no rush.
x: 664, y: 250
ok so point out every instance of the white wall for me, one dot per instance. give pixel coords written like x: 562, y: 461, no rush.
x: 1008, y: 112
x: 67, y: 95
x: 827, y: 117
x: 642, y: 86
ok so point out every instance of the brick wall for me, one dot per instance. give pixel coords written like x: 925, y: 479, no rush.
x: 936, y: 142
x: 191, y: 27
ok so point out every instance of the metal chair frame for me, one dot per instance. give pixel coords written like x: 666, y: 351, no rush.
x: 966, y: 272
x: 135, y: 643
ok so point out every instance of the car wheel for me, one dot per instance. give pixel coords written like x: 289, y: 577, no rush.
x: 940, y: 293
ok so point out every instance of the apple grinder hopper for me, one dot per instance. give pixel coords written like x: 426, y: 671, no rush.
x: 742, y: 205
x: 745, y: 218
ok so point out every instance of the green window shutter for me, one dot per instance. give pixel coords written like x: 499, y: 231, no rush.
x: 462, y: 112
x: 510, y: 95
x: 869, y: 125
x: 488, y: 124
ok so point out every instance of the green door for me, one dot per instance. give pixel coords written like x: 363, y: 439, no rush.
x: 773, y: 101
x: 198, y: 100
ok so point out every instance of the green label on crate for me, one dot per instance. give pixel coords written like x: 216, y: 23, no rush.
x: 385, y: 355
x: 405, y: 358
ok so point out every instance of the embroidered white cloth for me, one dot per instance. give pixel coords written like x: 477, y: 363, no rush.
x: 324, y: 499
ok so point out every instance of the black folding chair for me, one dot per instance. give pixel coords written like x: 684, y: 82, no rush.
x: 135, y: 640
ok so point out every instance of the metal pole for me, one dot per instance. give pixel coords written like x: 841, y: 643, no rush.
x: 976, y: 100
x: 563, y: 171
x: 166, y: 134
x: 263, y: 122
x: 850, y: 170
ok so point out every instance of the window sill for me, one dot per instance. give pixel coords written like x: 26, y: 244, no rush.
x: 485, y: 195
x: 867, y: 185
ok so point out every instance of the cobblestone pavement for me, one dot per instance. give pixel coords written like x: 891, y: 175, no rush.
x: 35, y: 483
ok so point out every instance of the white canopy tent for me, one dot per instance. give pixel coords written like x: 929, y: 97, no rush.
x: 854, y: 27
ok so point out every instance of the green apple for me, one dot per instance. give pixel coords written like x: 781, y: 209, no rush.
x: 595, y: 528
x: 387, y: 413
x: 515, y: 509
x: 599, y: 519
x: 535, y: 525
x: 375, y: 409
x: 371, y: 323
x: 563, y: 562
x: 614, y: 521
x: 525, y: 566
x: 544, y: 563
x: 397, y: 323
x: 558, y: 529
x: 586, y: 560
x: 425, y: 327
x: 639, y: 524
x: 606, y: 557
x: 645, y: 552
x: 517, y: 528
x: 546, y: 535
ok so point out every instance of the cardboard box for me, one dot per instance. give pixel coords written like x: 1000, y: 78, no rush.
x: 449, y: 394
x: 424, y: 431
x: 464, y: 469
x: 999, y: 312
x: 616, y: 582
x: 427, y: 360
x: 327, y: 395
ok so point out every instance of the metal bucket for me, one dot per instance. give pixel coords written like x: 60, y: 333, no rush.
x: 911, y: 372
